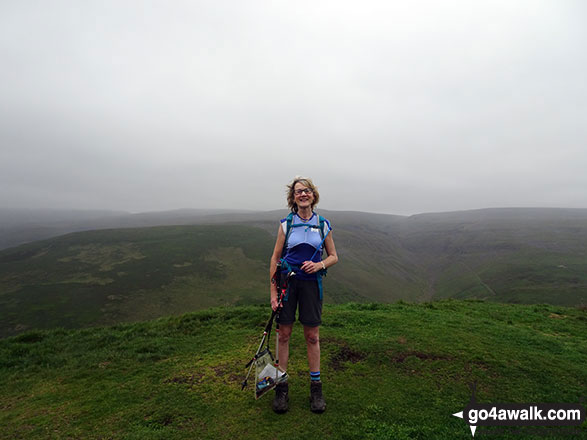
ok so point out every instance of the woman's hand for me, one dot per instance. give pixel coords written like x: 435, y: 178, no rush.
x: 274, y: 304
x: 311, y: 267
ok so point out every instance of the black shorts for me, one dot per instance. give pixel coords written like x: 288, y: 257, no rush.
x: 307, y: 294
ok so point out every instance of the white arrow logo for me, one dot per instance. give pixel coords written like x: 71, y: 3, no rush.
x: 473, y: 427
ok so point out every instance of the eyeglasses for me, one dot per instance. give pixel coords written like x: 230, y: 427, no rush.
x: 298, y: 192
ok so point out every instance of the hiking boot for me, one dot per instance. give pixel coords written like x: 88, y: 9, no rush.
x: 317, y: 403
x: 281, y: 398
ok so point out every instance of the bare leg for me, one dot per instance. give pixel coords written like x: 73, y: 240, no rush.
x: 317, y: 403
x: 312, y: 335
x: 284, y: 335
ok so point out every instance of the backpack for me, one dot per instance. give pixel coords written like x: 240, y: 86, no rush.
x: 321, y: 272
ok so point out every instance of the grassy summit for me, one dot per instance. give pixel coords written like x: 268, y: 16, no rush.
x: 394, y: 371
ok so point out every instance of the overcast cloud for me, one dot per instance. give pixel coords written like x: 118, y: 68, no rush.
x: 392, y: 106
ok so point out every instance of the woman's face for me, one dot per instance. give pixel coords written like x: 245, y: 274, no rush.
x: 303, y: 196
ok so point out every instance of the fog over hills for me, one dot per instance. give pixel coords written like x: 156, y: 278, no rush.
x: 19, y: 226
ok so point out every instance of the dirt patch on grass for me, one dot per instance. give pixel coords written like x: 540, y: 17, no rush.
x: 342, y: 353
x: 221, y: 370
x: 189, y: 380
x: 227, y: 372
x: 156, y: 421
x: 346, y: 354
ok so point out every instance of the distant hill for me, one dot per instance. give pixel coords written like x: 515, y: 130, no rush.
x: 390, y: 371
x: 108, y: 276
x: 18, y: 226
x: 509, y: 255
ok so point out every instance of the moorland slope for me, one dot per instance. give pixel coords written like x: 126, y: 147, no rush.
x: 107, y: 276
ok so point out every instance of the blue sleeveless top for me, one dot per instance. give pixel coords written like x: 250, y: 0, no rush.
x: 303, y: 241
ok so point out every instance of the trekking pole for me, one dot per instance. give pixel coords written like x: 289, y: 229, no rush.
x: 266, y: 334
x: 281, y: 291
x: 276, y: 364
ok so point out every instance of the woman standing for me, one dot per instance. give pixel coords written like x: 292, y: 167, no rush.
x: 301, y: 238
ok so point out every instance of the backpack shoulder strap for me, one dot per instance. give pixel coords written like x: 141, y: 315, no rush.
x: 321, y: 221
x: 288, y: 221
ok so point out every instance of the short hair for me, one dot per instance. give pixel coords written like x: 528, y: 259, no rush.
x: 307, y: 182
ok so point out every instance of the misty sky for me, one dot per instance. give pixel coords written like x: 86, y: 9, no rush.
x: 390, y: 106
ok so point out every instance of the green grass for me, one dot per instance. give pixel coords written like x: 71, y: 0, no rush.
x: 390, y: 371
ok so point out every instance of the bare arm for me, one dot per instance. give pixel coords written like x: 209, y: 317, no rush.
x: 273, y: 264
x: 332, y: 257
